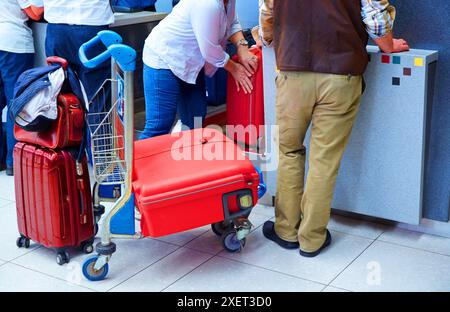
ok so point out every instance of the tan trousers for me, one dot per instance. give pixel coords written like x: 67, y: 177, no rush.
x: 330, y: 103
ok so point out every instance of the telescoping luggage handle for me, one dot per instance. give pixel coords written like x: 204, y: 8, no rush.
x: 124, y: 55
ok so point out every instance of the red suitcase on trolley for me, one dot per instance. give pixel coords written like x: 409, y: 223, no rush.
x: 66, y: 130
x: 247, y: 110
x: 191, y: 179
x: 53, y: 199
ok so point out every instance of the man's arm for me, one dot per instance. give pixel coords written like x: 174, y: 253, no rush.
x: 379, y: 17
x: 266, y: 21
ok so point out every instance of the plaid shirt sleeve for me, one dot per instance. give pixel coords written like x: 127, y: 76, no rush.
x: 266, y: 21
x: 379, y: 17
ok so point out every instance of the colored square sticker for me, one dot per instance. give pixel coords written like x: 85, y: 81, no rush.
x: 396, y: 81
x: 407, y: 71
x: 418, y: 62
x: 385, y: 59
x: 397, y: 60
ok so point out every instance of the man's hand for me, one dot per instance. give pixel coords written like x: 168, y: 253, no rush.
x: 388, y: 44
x: 240, y: 75
x: 247, y: 59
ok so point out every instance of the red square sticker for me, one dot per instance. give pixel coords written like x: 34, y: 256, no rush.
x: 386, y: 59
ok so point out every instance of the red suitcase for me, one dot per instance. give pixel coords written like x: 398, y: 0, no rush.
x: 191, y: 179
x: 247, y: 110
x: 53, y: 200
x: 66, y: 130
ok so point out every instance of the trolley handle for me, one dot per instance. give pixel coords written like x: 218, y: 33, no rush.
x: 124, y: 55
x: 58, y: 60
x: 107, y: 38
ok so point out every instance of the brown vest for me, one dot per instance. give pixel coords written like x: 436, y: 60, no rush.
x: 323, y: 36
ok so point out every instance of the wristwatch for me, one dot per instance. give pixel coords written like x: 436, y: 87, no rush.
x: 242, y: 42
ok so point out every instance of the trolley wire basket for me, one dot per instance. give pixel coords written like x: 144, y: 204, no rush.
x: 107, y: 135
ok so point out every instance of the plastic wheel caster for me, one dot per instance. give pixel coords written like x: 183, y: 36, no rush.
x: 62, y: 258
x: 23, y: 242
x: 231, y: 243
x: 90, y: 273
x: 221, y: 227
x: 88, y: 248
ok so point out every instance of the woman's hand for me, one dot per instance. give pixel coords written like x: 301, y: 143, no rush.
x: 240, y: 75
x: 247, y: 59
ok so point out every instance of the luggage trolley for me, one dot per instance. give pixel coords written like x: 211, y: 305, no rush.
x: 111, y: 140
x: 112, y: 148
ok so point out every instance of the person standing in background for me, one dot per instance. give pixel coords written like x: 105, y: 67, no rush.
x: 16, y: 56
x: 72, y: 23
x: 185, y: 46
x: 320, y: 49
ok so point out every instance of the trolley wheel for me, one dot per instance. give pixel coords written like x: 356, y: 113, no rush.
x: 231, y: 243
x: 221, y: 227
x: 23, y: 242
x: 90, y: 273
x: 62, y: 257
x: 87, y: 248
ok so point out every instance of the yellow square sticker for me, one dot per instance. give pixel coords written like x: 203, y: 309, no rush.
x: 418, y: 62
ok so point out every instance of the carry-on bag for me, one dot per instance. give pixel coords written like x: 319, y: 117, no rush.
x: 247, y: 110
x: 53, y: 199
x: 65, y: 131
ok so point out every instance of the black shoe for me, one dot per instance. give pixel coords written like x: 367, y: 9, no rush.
x: 269, y: 233
x: 318, y: 251
x: 9, y: 171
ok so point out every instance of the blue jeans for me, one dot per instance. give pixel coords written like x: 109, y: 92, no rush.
x: 164, y: 95
x: 12, y: 65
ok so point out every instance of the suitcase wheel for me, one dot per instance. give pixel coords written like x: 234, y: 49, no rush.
x: 89, y: 271
x: 23, y: 242
x: 62, y: 257
x: 87, y: 247
x: 230, y: 241
x: 220, y: 227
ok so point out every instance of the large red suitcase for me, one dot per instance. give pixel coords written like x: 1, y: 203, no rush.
x: 191, y: 179
x: 66, y: 130
x: 53, y: 199
x: 247, y: 110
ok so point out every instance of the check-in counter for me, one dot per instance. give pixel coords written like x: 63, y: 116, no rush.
x: 383, y: 169
x: 133, y: 27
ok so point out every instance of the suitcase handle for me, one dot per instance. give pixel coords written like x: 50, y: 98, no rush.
x: 58, y: 60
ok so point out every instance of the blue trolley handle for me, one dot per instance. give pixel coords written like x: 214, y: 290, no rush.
x: 262, y: 188
x: 124, y: 55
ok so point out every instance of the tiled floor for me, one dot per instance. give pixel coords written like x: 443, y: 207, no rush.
x: 364, y: 256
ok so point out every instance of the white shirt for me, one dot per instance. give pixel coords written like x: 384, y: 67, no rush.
x: 15, y: 35
x: 79, y: 12
x: 193, y: 36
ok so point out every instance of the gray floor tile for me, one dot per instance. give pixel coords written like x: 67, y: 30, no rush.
x: 9, y: 234
x: 265, y: 210
x: 388, y: 267
x: 7, y: 187
x: 4, y: 202
x: 15, y: 278
x: 323, y: 269
x: 220, y: 275
x: 131, y: 257
x: 356, y: 227
x: 417, y: 240
x: 165, y: 272
x: 334, y: 289
x: 183, y: 238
